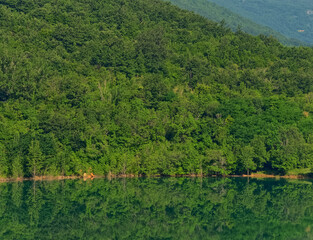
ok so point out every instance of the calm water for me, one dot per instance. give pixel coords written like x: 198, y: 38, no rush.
x: 164, y: 208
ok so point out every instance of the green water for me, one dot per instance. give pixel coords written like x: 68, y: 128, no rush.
x: 160, y: 208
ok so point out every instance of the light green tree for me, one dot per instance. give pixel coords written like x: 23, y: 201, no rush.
x: 247, y: 155
x: 35, y: 158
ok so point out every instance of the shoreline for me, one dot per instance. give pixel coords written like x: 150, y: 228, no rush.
x: 110, y: 176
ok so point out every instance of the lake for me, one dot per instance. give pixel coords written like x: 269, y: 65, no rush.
x: 157, y: 208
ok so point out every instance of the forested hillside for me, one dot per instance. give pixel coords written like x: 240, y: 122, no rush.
x: 235, y: 21
x: 142, y: 87
x: 291, y: 18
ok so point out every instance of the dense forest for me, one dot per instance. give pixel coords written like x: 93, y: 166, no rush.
x: 232, y: 20
x: 157, y: 208
x: 291, y: 18
x: 142, y: 87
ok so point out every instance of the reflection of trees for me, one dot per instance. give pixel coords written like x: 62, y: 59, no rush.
x: 165, y: 208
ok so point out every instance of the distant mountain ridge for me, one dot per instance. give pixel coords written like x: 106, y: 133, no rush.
x: 233, y: 20
x: 293, y: 19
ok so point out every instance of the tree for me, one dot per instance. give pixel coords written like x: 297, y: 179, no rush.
x: 4, y: 163
x: 261, y: 156
x: 35, y: 158
x: 216, y: 162
x: 247, y: 155
x: 17, y: 167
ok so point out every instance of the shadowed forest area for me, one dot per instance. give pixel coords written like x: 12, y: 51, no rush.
x: 142, y: 87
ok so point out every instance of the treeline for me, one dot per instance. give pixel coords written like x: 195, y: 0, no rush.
x: 142, y: 87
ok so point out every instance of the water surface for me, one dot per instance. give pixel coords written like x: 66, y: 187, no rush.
x: 158, y: 208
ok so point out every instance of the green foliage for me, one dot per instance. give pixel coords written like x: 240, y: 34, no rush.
x: 142, y: 87
x: 4, y: 163
x: 35, y: 158
x: 17, y: 167
x: 247, y: 154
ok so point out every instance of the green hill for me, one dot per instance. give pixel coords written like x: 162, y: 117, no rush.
x: 217, y: 13
x: 287, y: 17
x: 142, y: 87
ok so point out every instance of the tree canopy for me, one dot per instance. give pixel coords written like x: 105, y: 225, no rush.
x: 142, y: 87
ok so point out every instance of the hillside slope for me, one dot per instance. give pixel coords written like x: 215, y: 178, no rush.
x: 217, y: 13
x: 142, y: 87
x: 291, y: 18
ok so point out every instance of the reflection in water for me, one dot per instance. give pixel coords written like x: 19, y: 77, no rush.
x: 159, y: 208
